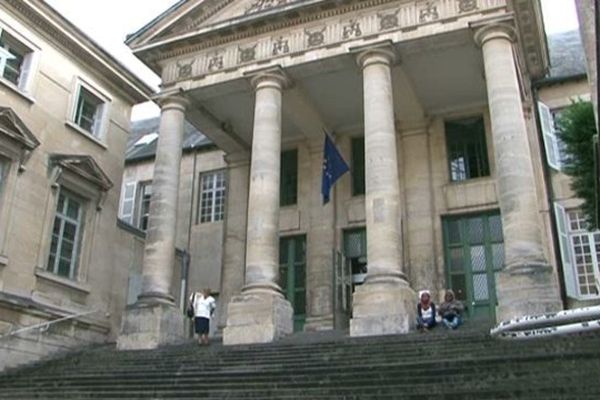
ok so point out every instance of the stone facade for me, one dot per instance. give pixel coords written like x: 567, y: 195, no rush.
x: 393, y: 79
x: 56, y: 154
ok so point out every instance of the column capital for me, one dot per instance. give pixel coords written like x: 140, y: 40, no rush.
x: 375, y: 53
x: 494, y: 30
x: 273, y: 77
x: 172, y: 100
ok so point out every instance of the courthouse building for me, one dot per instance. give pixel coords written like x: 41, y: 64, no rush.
x: 432, y: 105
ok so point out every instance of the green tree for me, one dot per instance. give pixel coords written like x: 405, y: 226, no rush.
x: 576, y: 128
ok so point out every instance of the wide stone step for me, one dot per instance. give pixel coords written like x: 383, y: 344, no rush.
x: 493, y: 370
x: 447, y: 365
x: 190, y: 363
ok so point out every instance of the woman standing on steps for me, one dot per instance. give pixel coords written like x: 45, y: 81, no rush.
x: 204, y: 306
x: 425, y: 312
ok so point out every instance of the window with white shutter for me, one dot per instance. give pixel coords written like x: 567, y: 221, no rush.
x: 17, y: 61
x: 551, y: 141
x: 128, y: 202
x: 580, y: 254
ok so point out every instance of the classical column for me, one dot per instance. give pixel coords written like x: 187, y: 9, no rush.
x: 261, y: 313
x: 319, y: 269
x: 419, y: 209
x: 155, y: 320
x: 527, y: 285
x: 385, y: 303
x: 234, y: 247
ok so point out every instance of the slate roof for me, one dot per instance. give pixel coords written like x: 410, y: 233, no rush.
x: 567, y: 58
x: 193, y: 139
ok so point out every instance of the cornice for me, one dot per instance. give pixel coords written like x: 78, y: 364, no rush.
x: 352, y: 25
x: 214, y: 35
x: 47, y: 23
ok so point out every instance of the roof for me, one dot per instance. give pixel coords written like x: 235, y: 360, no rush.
x: 46, y: 20
x: 567, y: 57
x: 193, y: 139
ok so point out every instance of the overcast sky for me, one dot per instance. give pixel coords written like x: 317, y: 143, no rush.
x: 109, y: 21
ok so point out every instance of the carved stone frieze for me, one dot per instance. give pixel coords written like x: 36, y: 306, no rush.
x: 331, y: 31
x: 388, y: 20
x: 281, y: 46
x: 247, y: 54
x: 429, y: 12
x: 184, y: 68
x: 315, y: 37
x: 215, y: 62
x: 352, y: 29
x: 466, y: 6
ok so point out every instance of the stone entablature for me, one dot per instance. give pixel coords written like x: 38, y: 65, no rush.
x: 321, y: 32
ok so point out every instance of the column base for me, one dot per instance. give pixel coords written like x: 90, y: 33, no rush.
x: 527, y: 289
x: 257, y: 318
x: 383, y: 308
x: 321, y: 323
x: 148, y: 325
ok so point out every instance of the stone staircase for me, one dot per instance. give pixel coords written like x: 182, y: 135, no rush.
x: 452, y: 365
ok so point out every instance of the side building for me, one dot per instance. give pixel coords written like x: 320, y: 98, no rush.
x: 65, y: 106
x: 578, y: 249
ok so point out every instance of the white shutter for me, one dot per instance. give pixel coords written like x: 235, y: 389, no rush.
x: 27, y: 71
x: 549, y: 135
x: 99, y: 120
x: 128, y: 202
x: 565, y: 252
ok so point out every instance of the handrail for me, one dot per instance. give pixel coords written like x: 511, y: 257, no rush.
x: 44, y: 326
x: 578, y: 320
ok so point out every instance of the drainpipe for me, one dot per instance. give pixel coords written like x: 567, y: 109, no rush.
x: 185, y: 271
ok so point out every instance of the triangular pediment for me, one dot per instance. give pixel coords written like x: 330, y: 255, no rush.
x: 83, y: 166
x: 195, y: 15
x: 12, y: 127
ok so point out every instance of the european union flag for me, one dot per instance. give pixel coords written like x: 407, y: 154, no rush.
x: 334, y: 167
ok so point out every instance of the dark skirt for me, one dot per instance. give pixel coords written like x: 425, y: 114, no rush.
x: 201, y: 325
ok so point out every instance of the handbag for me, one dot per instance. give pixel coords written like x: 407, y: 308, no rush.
x: 190, y: 308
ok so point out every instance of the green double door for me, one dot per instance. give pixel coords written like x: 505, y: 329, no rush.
x: 474, y: 254
x: 292, y: 275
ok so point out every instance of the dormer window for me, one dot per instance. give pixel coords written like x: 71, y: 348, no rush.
x: 146, y: 139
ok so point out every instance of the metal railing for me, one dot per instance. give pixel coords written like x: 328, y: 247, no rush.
x: 44, y: 326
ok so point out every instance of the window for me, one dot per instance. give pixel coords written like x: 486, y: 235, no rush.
x: 467, y: 150
x: 288, y: 194
x: 145, y: 193
x: 580, y: 254
x: 358, y: 166
x: 212, y: 196
x: 89, y: 111
x: 135, y: 203
x: 552, y: 144
x: 128, y: 202
x: 66, y: 234
x: 16, y: 61
x: 355, y: 251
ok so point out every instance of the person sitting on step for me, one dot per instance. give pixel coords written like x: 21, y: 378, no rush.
x: 204, y: 307
x: 451, y: 310
x: 425, y: 312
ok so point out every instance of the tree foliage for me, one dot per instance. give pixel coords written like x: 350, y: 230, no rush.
x: 576, y: 128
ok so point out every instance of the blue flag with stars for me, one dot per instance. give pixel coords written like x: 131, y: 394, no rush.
x: 334, y: 167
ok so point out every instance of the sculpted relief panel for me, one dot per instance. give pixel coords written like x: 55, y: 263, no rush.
x: 324, y: 33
